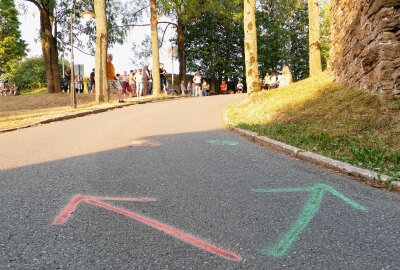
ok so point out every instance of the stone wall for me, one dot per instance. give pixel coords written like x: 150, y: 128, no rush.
x: 366, y: 44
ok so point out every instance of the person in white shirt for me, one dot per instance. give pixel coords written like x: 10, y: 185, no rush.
x: 139, y: 83
x: 286, y: 77
x: 197, y: 84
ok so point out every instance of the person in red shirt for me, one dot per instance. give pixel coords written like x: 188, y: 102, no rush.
x: 223, y: 87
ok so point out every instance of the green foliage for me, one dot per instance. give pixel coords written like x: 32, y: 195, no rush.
x: 214, y: 44
x: 325, y: 16
x: 29, y: 74
x: 12, y: 47
x: 121, y: 17
x: 283, y: 36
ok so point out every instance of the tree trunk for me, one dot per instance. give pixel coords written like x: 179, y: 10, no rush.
x: 181, y: 49
x: 154, y: 46
x: 250, y: 47
x: 314, y: 38
x: 49, y: 49
x: 101, y: 84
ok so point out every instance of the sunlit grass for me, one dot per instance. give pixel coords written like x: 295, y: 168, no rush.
x: 42, y: 90
x: 321, y: 116
x: 18, y: 118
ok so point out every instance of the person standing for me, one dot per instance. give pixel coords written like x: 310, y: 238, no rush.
x: 132, y: 82
x: 239, y: 87
x: 163, y: 78
x: 267, y: 81
x: 224, y: 87
x: 183, y: 87
x: 205, y: 88
x: 113, y: 83
x: 286, y: 77
x: 273, y: 81
x: 189, y: 88
x: 145, y: 79
x: 139, y: 82
x: 150, y: 90
x: 197, y: 84
x: 92, y: 87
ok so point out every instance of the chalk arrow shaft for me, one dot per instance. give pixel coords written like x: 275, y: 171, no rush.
x: 188, y: 238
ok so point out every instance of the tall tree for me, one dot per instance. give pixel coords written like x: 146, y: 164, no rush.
x: 49, y: 43
x: 215, y: 46
x: 314, y: 39
x: 283, y: 36
x: 250, y: 47
x: 154, y: 45
x: 102, y: 91
x: 12, y: 47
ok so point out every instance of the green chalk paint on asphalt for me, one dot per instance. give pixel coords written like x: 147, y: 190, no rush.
x: 222, y: 142
x: 308, y: 212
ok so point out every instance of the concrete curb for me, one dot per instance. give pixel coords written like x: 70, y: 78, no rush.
x: 84, y: 113
x: 366, y: 175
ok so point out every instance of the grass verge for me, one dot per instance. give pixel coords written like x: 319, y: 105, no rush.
x: 320, y: 116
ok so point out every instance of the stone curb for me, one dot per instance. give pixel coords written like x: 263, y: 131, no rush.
x: 80, y: 114
x: 339, y: 166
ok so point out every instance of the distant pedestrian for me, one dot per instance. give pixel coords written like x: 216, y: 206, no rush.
x: 223, y: 87
x: 239, y: 87
x: 183, y: 87
x: 189, y: 88
x: 113, y: 83
x: 139, y: 82
x: 145, y: 79
x: 132, y: 82
x: 92, y: 87
x: 205, y: 88
x: 286, y: 77
x: 197, y: 84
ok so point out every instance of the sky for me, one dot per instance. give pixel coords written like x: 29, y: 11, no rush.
x: 122, y: 54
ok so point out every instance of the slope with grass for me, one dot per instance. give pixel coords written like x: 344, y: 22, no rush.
x: 320, y: 116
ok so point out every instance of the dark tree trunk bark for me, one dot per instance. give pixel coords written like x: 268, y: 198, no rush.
x: 50, y: 55
x: 181, y: 49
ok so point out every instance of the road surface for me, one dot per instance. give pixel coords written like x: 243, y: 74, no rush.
x: 166, y: 186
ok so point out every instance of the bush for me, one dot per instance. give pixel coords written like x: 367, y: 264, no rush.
x: 29, y: 74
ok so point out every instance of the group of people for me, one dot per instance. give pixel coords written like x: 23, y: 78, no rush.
x: 9, y: 91
x: 199, y: 86
x: 281, y: 79
x: 196, y: 87
x: 138, y: 82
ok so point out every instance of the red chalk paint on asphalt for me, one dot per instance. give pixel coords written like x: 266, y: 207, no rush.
x: 185, y: 237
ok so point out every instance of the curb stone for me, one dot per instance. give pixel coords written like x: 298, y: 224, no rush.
x: 80, y: 114
x: 340, y: 166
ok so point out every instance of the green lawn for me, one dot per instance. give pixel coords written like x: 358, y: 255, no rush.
x: 320, y: 116
x: 42, y: 90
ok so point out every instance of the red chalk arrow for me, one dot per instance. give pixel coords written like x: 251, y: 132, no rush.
x: 188, y: 238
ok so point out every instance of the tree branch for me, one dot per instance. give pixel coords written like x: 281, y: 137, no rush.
x: 35, y: 3
x: 163, y: 36
x: 133, y: 25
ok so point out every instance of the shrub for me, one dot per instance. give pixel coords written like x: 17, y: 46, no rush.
x: 28, y: 74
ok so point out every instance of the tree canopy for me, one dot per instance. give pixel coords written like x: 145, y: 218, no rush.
x: 12, y: 46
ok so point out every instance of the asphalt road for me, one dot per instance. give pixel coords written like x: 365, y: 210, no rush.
x: 165, y: 186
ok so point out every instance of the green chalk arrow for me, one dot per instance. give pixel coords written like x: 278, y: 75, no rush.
x: 222, y: 142
x: 311, y: 207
